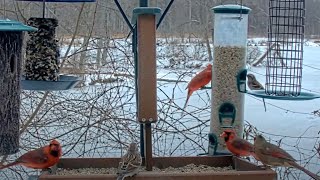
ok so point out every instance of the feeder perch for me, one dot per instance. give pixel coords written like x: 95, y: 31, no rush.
x: 227, y: 114
x: 213, y: 142
x: 11, y: 40
x: 42, y: 54
x: 241, y: 81
x: 230, y: 53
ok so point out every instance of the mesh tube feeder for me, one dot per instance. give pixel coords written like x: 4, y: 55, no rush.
x: 42, y: 55
x: 285, y: 55
x: 11, y: 40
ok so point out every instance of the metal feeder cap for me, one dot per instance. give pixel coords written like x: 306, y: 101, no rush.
x: 9, y: 25
x: 231, y: 9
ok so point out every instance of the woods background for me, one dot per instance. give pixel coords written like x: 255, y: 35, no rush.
x: 100, y: 120
x: 184, y: 17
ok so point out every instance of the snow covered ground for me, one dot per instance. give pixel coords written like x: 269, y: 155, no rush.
x: 290, y: 122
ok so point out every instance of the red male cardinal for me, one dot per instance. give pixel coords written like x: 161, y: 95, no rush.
x: 199, y: 81
x: 236, y: 145
x: 41, y: 158
x: 271, y: 155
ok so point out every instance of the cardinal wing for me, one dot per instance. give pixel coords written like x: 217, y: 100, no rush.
x: 36, y: 156
x: 200, y: 80
x: 242, y: 145
x: 277, y: 152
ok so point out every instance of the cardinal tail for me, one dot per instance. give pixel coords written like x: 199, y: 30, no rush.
x: 185, y: 104
x: 311, y: 174
x: 188, y: 96
x: 255, y: 156
x: 9, y: 165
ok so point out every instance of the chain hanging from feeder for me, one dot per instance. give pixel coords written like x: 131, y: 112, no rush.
x: 285, y: 43
x: 241, y: 4
x: 4, y: 9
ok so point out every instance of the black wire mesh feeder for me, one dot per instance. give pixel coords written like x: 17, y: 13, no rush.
x: 285, y: 54
x: 11, y: 40
x: 42, y: 55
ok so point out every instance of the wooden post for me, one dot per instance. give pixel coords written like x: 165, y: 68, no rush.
x: 145, y: 18
x: 147, y: 80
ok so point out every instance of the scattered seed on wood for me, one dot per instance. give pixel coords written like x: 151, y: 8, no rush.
x: 190, y: 168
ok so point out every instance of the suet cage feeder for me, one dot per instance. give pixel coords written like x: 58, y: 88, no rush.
x: 11, y: 40
x: 285, y: 55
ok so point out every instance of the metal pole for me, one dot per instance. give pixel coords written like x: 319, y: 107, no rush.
x: 135, y: 54
x: 164, y: 13
x: 123, y: 14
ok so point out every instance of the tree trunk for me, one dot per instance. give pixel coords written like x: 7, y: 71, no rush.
x: 83, y: 54
x: 208, y: 44
x: 104, y: 56
x: 10, y: 72
x: 99, y: 54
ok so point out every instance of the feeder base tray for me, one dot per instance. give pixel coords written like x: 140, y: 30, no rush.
x: 231, y: 168
x: 64, y: 83
x: 302, y: 97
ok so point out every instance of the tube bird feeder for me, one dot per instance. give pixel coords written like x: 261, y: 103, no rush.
x: 11, y: 37
x: 230, y: 51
